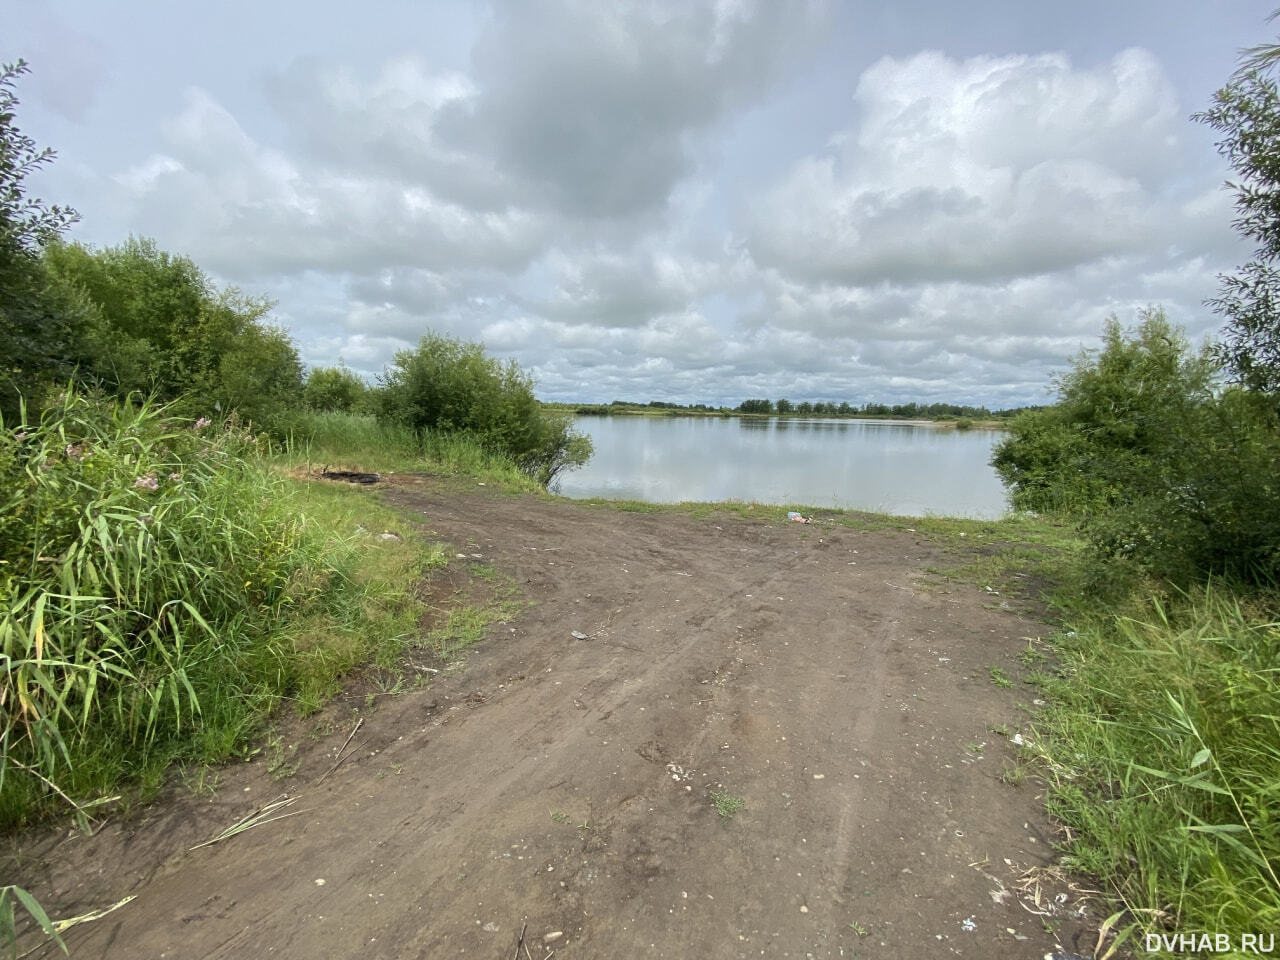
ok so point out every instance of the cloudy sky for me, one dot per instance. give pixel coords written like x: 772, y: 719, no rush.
x: 687, y: 201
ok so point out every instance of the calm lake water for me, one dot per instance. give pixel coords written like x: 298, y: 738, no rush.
x: 885, y: 466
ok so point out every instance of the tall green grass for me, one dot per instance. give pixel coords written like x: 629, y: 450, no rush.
x: 1162, y: 739
x: 161, y: 590
x: 342, y: 440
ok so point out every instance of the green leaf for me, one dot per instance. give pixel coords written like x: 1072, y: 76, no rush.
x: 40, y: 917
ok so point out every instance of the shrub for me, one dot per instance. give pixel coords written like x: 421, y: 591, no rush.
x: 448, y: 386
x: 41, y: 335
x: 155, y: 324
x: 1156, y: 463
x: 334, y: 390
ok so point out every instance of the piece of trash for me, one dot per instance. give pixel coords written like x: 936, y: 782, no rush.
x: 390, y: 535
x: 1017, y: 740
x: 797, y: 517
x: 553, y: 936
x: 968, y: 925
x: 579, y: 635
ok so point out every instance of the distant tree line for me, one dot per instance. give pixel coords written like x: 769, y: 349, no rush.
x: 806, y: 408
x: 922, y: 411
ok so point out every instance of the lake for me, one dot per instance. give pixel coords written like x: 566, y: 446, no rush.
x: 886, y: 466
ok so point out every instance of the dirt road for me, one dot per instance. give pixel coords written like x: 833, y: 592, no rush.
x: 568, y: 787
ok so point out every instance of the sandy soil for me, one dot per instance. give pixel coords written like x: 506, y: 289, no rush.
x: 564, y: 786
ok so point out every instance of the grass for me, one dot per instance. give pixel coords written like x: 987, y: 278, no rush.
x: 466, y: 615
x: 726, y: 804
x: 164, y: 590
x: 999, y: 677
x: 142, y: 564
x: 342, y: 441
x: 1161, y: 742
x: 8, y: 919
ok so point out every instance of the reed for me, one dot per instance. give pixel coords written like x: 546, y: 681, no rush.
x: 161, y: 590
x: 1163, y: 743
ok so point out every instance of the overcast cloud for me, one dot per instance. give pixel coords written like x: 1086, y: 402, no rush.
x: 698, y: 202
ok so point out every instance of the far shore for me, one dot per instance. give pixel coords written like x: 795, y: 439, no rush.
x: 604, y: 410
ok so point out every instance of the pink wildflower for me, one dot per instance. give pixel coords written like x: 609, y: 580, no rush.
x: 175, y: 477
x: 202, y: 423
x: 149, y: 482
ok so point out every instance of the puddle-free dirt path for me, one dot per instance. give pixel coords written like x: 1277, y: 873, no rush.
x: 564, y: 786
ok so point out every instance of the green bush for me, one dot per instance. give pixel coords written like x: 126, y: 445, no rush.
x: 1156, y: 462
x: 447, y: 386
x: 156, y: 324
x: 334, y: 390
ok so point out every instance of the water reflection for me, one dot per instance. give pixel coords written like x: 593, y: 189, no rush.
x: 889, y: 466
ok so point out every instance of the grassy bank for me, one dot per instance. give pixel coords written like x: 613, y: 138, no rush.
x: 167, y: 585
x: 349, y: 441
x: 1161, y: 742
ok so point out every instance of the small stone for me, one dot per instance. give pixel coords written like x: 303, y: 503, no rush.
x: 819, y: 776
x: 553, y: 936
x: 319, y: 881
x: 804, y: 909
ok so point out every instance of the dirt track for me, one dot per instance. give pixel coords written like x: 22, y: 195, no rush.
x: 816, y: 671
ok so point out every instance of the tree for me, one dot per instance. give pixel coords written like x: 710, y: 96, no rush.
x: 39, y: 327
x: 156, y: 324
x: 1155, y: 463
x: 1247, y: 114
x: 448, y: 386
x: 783, y: 405
x: 333, y: 389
